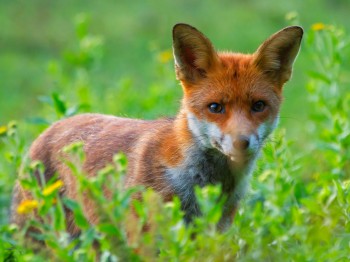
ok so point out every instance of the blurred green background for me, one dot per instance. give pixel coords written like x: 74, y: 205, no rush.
x: 133, y: 76
x: 58, y: 58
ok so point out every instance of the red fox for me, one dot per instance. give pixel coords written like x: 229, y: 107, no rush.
x: 230, y: 106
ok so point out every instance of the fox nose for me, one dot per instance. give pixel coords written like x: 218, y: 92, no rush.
x: 241, y: 143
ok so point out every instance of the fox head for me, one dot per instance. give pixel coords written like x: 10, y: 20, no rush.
x: 232, y: 100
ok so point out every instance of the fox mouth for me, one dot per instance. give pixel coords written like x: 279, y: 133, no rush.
x: 237, y: 156
x: 240, y: 158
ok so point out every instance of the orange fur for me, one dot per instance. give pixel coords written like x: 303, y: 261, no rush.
x: 197, y: 147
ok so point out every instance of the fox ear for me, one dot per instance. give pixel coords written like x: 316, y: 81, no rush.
x: 277, y: 54
x: 193, y: 52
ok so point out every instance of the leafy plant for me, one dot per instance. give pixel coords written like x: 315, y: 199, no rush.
x: 298, y: 208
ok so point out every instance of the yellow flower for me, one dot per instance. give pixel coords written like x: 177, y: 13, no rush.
x: 165, y: 56
x: 3, y: 130
x: 318, y: 27
x: 52, y: 188
x: 27, y: 206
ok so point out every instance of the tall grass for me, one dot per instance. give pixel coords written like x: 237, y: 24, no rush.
x: 298, y: 208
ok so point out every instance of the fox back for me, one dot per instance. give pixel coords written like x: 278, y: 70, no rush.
x: 230, y: 106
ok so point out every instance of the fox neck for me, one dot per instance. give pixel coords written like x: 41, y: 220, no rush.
x: 202, y: 165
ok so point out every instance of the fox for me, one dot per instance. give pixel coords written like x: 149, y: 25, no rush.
x: 230, y: 106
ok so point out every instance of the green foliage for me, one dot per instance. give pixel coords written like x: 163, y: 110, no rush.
x: 298, y: 208
x: 331, y: 100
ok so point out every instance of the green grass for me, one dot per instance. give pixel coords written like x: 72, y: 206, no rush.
x: 67, y: 57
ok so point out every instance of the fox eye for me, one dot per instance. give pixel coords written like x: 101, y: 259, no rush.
x: 258, y: 106
x: 216, y: 108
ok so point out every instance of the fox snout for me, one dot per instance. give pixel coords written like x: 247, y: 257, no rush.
x: 238, y: 144
x: 238, y: 147
x: 241, y: 143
